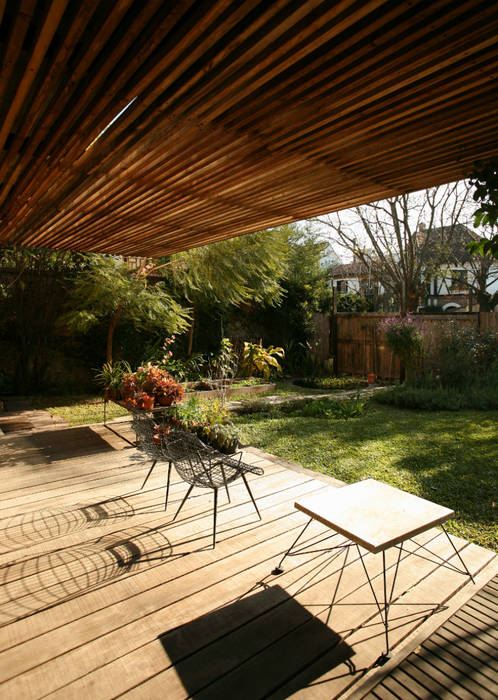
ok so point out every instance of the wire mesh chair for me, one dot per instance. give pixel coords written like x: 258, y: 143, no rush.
x: 199, y: 465
x: 196, y: 463
x: 149, y: 442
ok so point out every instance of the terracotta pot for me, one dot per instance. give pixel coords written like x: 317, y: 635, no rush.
x: 165, y: 400
x: 371, y: 378
x: 147, y: 403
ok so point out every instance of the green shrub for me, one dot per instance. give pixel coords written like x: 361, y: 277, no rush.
x: 331, y: 383
x: 466, y: 356
x: 439, y: 399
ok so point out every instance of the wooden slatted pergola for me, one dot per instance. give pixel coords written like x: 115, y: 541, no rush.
x: 237, y: 115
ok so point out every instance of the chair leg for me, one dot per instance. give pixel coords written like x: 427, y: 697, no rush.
x: 184, y: 499
x: 250, y: 494
x: 226, y: 485
x: 214, y: 516
x: 167, y: 486
x: 149, y: 473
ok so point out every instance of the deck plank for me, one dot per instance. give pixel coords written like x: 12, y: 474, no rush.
x: 460, y: 649
x: 104, y: 595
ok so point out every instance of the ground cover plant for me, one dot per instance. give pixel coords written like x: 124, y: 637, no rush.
x: 446, y: 457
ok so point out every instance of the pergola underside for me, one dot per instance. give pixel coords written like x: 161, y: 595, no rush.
x: 245, y: 115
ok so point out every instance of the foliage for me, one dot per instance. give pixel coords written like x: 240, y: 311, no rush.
x: 335, y: 408
x: 439, y: 399
x: 446, y: 457
x: 223, y: 365
x: 353, y: 303
x: 331, y: 383
x: 465, y: 356
x: 484, y: 179
x: 225, y: 438
x: 404, y: 339
x: 202, y: 411
x: 255, y: 358
x: 110, y: 290
x: 246, y: 268
x: 223, y: 275
x: 307, y: 291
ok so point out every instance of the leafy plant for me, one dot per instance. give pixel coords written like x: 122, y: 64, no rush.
x: 111, y: 376
x: 256, y: 358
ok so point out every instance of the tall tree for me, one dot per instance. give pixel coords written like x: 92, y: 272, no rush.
x: 226, y: 274
x: 109, y: 289
x: 390, y: 238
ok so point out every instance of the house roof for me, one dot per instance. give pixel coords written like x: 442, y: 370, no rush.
x: 143, y: 128
x: 354, y: 269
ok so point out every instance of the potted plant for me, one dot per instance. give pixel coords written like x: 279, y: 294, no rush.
x: 167, y: 391
x: 149, y: 386
x: 111, y: 376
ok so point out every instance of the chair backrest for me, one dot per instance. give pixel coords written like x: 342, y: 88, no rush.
x: 144, y: 425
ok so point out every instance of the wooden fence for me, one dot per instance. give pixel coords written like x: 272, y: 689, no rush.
x: 359, y: 346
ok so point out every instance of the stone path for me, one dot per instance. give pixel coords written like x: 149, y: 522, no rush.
x: 278, y: 400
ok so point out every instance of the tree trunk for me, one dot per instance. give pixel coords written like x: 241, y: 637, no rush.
x: 191, y: 333
x: 110, y: 332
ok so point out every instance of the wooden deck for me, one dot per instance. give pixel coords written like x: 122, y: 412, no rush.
x: 457, y: 661
x: 102, y: 595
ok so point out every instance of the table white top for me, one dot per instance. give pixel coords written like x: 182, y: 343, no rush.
x: 372, y: 514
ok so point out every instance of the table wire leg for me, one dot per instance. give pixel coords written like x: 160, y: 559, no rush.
x: 278, y: 569
x: 336, y: 590
x: 458, y: 554
x: 384, y: 614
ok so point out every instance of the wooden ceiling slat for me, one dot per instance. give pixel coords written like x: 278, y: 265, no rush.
x: 383, y: 80
x: 47, y: 31
x: 247, y: 115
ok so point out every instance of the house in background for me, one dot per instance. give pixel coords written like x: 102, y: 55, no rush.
x: 357, y: 278
x: 459, y: 283
x: 462, y: 282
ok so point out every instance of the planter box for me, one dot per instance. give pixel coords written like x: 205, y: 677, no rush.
x: 245, y: 390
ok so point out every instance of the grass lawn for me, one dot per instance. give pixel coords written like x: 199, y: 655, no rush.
x: 447, y: 457
x: 78, y: 410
